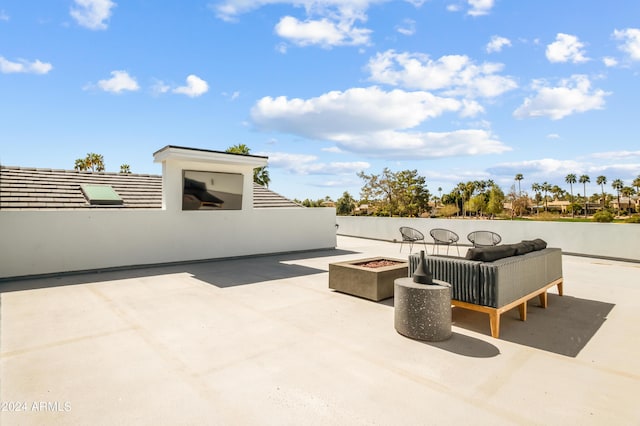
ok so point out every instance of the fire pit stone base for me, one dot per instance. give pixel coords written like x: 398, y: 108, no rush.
x: 358, y: 278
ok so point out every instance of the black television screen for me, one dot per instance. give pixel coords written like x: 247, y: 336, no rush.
x: 211, y: 190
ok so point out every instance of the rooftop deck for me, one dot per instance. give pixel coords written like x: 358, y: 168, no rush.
x: 264, y: 341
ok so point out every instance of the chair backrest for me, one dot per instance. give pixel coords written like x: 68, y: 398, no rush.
x: 444, y: 236
x: 410, y: 234
x: 484, y: 238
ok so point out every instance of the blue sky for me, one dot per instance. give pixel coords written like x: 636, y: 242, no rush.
x: 458, y: 89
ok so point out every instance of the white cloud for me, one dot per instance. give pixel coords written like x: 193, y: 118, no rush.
x: 631, y: 42
x: 616, y: 155
x: 24, y: 66
x: 544, y: 169
x: 553, y: 136
x: 571, y: 96
x: 327, y: 23
x: 373, y: 122
x: 407, y: 28
x: 497, y: 43
x: 301, y: 164
x: 566, y: 48
x: 3, y: 16
x: 554, y: 171
x: 609, y: 61
x: 321, y: 32
x: 229, y: 10
x: 160, y: 87
x: 195, y: 87
x: 356, y: 110
x: 119, y: 82
x: 480, y: 7
x: 333, y: 149
x: 92, y: 14
x: 455, y: 74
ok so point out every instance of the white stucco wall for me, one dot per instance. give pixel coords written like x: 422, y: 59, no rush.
x: 43, y: 242
x: 610, y: 240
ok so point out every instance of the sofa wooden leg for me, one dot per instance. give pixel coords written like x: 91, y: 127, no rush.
x: 494, y: 319
x: 523, y: 311
x: 543, y: 299
x: 560, y: 289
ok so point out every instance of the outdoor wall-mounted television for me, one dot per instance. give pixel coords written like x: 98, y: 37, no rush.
x: 211, y: 190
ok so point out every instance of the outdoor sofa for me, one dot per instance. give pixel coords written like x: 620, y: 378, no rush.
x: 496, y: 279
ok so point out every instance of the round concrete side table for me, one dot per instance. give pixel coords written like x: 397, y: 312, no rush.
x: 422, y: 312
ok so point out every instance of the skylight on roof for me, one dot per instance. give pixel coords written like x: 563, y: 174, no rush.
x: 102, y: 195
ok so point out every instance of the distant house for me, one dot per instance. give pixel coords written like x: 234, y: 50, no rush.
x: 626, y: 204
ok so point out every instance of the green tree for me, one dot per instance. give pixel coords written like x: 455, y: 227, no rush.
x: 584, y: 179
x: 477, y: 204
x: 260, y: 174
x: 618, y: 185
x: 402, y: 193
x: 571, y: 179
x: 495, y: 205
x: 535, y: 187
x: 345, y: 204
x: 124, y: 168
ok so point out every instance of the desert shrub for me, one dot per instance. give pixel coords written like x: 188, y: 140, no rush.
x: 603, y: 216
x: 633, y: 219
x: 547, y: 216
x: 448, y: 210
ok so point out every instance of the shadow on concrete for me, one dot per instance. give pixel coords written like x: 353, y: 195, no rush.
x: 466, y: 345
x: 458, y: 343
x: 219, y: 272
x: 564, y: 327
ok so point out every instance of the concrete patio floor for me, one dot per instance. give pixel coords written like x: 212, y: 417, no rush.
x: 263, y: 341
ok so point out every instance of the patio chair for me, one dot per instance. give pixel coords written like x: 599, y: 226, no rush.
x: 444, y: 237
x: 484, y: 238
x: 410, y: 235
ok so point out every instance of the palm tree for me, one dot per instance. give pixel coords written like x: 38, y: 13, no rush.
x: 618, y: 185
x: 602, y: 180
x: 584, y: 179
x: 125, y: 169
x: 518, y: 178
x: 535, y: 187
x: 261, y: 174
x: 546, y: 188
x: 95, y: 162
x: 636, y: 183
x: 461, y: 188
x: 571, y: 179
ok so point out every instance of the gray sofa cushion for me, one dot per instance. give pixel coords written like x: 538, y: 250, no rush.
x: 538, y: 243
x: 489, y: 254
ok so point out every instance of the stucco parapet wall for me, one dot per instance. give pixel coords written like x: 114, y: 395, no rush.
x: 172, y: 152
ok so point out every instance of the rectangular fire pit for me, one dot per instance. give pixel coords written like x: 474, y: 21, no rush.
x: 370, y: 278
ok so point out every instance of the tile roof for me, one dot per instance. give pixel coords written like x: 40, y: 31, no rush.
x: 24, y: 188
